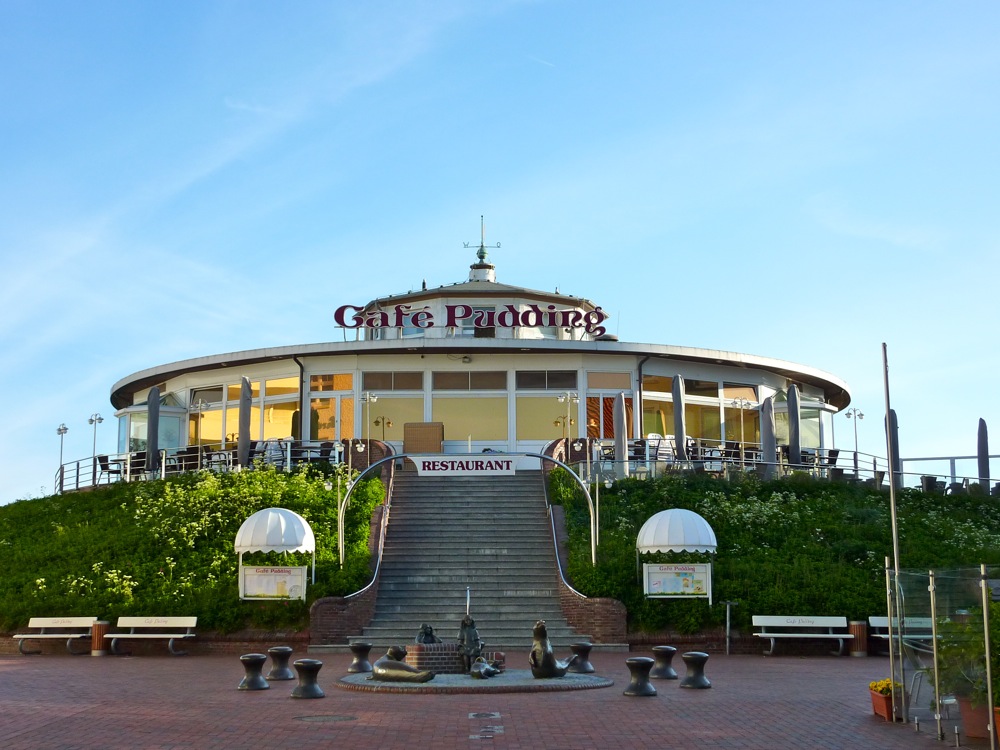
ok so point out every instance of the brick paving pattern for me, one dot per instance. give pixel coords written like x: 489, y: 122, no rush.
x: 152, y: 702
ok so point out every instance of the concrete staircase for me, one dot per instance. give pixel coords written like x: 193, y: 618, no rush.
x: 489, y: 534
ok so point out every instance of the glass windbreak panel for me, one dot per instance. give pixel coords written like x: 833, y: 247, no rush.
x: 809, y: 428
x: 471, y: 417
x: 324, y: 418
x: 539, y: 418
x: 233, y: 391
x: 561, y: 378
x: 407, y: 381
x: 278, y: 419
x: 701, y: 388
x: 398, y: 411
x: 737, y: 391
x: 334, y: 382
x: 657, y: 384
x: 281, y: 387
x: 137, y: 431
x: 703, y: 422
x: 123, y: 433
x: 621, y: 381
x: 530, y: 380
x: 376, y: 381
x: 211, y: 395
x: 657, y: 417
x: 450, y: 381
x: 742, y: 425
x: 169, y: 432
x: 488, y: 381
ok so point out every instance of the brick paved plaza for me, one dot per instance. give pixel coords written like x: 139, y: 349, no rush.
x: 56, y: 701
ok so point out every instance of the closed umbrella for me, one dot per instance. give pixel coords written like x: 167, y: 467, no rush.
x: 983, y: 451
x: 153, y: 430
x: 680, y: 424
x: 892, y: 435
x: 768, y: 443
x: 243, y: 439
x: 794, y: 435
x: 621, y: 437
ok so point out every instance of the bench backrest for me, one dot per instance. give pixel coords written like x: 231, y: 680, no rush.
x: 911, y: 623
x: 61, y: 622
x: 805, y: 621
x: 157, y: 622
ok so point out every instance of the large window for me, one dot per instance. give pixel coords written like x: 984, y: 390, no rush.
x: 543, y: 418
x: 471, y: 418
x: 601, y: 416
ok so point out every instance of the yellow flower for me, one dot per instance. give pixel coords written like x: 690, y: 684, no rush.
x: 884, y: 687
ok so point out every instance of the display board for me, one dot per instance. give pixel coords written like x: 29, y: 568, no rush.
x: 677, y: 581
x: 273, y: 583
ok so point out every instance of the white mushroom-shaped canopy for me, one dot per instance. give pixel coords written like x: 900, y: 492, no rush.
x: 275, y: 530
x: 676, y: 530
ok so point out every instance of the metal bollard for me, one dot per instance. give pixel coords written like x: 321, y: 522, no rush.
x: 253, y: 664
x: 581, y: 665
x: 640, y: 686
x: 695, y: 678
x: 663, y: 669
x: 308, y: 687
x: 360, y: 663
x: 279, y: 663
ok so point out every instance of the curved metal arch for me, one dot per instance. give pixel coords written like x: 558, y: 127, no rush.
x: 342, y: 505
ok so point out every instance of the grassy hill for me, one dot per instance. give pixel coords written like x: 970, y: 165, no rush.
x: 791, y: 546
x: 166, y: 548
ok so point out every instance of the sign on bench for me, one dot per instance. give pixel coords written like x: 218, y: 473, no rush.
x: 70, y: 628
x: 148, y: 628
x: 806, y: 627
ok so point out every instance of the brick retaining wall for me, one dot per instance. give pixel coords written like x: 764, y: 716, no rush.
x: 444, y: 658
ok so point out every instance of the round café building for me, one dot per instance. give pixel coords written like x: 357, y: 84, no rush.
x: 492, y: 367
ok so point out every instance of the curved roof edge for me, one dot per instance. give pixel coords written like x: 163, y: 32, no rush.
x: 836, y: 390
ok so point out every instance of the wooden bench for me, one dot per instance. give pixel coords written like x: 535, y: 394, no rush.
x: 71, y: 628
x: 774, y: 627
x: 149, y: 628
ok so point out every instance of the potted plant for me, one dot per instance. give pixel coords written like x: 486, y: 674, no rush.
x: 962, y: 665
x: 881, y: 693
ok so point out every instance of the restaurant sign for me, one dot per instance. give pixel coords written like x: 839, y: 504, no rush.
x: 680, y: 581
x: 457, y: 316
x: 273, y: 583
x: 437, y: 466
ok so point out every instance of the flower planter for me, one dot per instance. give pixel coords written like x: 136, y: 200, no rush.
x: 882, y: 705
x: 975, y: 719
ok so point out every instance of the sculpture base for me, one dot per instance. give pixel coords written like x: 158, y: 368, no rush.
x: 510, y: 681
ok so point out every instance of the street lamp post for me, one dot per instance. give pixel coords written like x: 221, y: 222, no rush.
x: 741, y: 404
x: 95, y: 419
x: 569, y: 398
x: 855, y: 413
x: 61, y: 431
x: 383, y: 422
x: 367, y: 398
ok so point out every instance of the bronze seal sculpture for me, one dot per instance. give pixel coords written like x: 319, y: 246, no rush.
x: 543, y: 662
x: 393, y: 668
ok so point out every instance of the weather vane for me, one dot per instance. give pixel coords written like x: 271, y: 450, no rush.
x: 483, y: 247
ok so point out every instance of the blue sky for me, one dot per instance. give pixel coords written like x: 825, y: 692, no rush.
x: 796, y: 180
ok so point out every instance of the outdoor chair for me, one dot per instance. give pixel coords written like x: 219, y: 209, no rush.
x: 106, y: 466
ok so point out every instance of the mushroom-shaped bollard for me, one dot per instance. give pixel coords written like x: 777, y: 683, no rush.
x: 695, y: 677
x: 308, y: 670
x: 640, y: 685
x: 581, y: 665
x: 360, y: 663
x: 662, y: 667
x: 279, y: 663
x: 253, y: 664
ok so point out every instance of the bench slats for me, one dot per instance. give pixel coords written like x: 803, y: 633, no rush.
x: 148, y: 628
x: 809, y: 627
x: 70, y: 628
